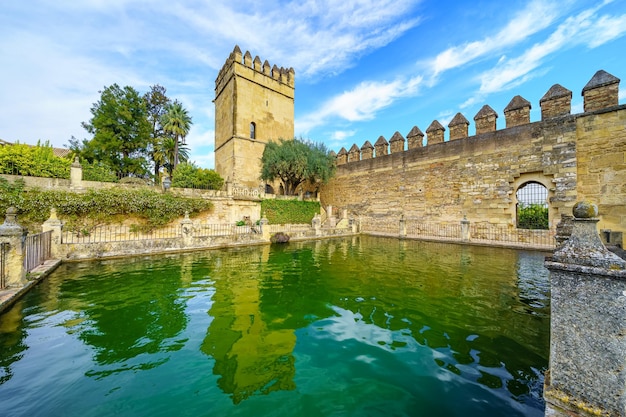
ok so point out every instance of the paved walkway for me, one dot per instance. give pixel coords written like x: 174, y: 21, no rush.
x: 8, y: 296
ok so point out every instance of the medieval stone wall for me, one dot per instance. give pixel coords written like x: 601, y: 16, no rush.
x: 573, y: 156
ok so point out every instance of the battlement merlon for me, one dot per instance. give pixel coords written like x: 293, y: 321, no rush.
x: 281, y: 80
x: 600, y: 93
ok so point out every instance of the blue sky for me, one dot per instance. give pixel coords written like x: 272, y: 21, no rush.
x: 364, y: 68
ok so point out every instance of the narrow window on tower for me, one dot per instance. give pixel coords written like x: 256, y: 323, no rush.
x: 252, y: 130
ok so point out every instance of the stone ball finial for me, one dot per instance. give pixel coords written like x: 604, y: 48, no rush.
x: 585, y: 210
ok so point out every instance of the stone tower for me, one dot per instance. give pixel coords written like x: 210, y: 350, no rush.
x: 254, y: 104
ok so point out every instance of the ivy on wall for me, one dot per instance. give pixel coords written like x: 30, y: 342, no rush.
x: 150, y: 207
x: 289, y: 211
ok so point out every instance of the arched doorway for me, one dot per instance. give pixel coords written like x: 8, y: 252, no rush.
x: 532, y: 211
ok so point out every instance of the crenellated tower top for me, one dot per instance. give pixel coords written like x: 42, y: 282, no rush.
x: 254, y: 104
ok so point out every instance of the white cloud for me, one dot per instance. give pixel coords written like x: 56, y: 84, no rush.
x: 340, y: 135
x: 316, y: 37
x: 585, y: 28
x: 535, y: 17
x: 360, y: 103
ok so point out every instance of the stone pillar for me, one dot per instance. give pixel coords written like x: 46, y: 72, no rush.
x: 465, y: 229
x: 402, y: 231
x: 229, y: 188
x: 316, y: 223
x: 186, y: 226
x: 588, y: 321
x: 332, y: 220
x: 14, y: 234
x: 265, y: 231
x: 56, y: 226
x: 354, y: 225
x: 76, y: 175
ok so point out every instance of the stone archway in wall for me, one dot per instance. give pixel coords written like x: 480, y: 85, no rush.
x: 534, y: 188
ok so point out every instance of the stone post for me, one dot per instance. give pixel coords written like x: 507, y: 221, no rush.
x: 465, y: 229
x: 402, y: 231
x: 317, y: 225
x: 56, y: 226
x: 265, y: 231
x: 186, y: 226
x: 332, y: 220
x: 76, y: 175
x: 229, y: 188
x: 586, y: 375
x: 14, y: 234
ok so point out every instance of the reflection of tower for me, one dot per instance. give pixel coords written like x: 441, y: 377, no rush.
x: 251, y: 357
x: 254, y: 104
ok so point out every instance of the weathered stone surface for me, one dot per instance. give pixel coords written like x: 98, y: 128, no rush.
x: 434, y: 133
x: 556, y: 102
x: 367, y: 150
x: 396, y: 143
x: 601, y: 91
x: 458, y: 127
x: 517, y: 112
x: 485, y: 120
x: 415, y: 138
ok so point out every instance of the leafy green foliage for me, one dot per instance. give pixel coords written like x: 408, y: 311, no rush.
x: 98, y: 171
x: 296, y: 161
x: 121, y: 132
x: 289, y: 211
x: 532, y: 216
x: 177, y: 122
x: 154, y: 208
x: 156, y: 103
x: 35, y: 161
x: 188, y: 175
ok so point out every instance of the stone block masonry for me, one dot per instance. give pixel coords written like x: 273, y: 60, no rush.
x: 575, y: 156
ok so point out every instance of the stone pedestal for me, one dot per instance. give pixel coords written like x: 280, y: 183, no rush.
x: 76, y: 175
x: 186, y: 226
x: 56, y: 226
x: 588, y: 325
x: 14, y: 235
x: 465, y: 230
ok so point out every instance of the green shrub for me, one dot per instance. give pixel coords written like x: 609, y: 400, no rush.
x: 532, y: 216
x: 97, y: 206
x: 188, y: 175
x: 98, y: 171
x: 33, y: 161
x: 289, y: 211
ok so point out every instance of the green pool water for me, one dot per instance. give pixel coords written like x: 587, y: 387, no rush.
x: 348, y: 327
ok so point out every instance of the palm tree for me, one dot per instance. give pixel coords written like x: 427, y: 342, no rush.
x: 177, y: 122
x: 165, y: 151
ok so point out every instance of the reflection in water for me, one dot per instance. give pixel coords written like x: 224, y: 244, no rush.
x: 359, y: 326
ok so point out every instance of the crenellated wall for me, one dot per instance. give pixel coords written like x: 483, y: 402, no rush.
x: 575, y: 156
